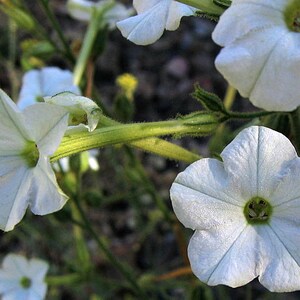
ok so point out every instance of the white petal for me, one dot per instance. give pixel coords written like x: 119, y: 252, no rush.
x: 277, y: 86
x: 16, y: 264
x: 242, y: 62
x: 176, y: 12
x: 31, y: 89
x: 15, y: 194
x: 255, y: 158
x: 54, y: 80
x: 275, y: 4
x: 117, y: 13
x: 37, y: 269
x: 48, y: 132
x: 13, y: 134
x: 146, y: 28
x: 9, y: 164
x: 38, y: 291
x: 17, y: 294
x: 48, y: 81
x: 227, y: 255
x: 8, y: 283
x: 287, y: 190
x: 202, y: 197
x: 80, y: 9
x: 280, y: 262
x: 10, y: 272
x: 14, y: 268
x: 141, y: 5
x: 80, y: 109
x: 48, y: 197
x: 250, y: 18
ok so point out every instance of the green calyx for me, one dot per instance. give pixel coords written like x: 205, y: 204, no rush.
x: 30, y: 154
x: 25, y: 282
x: 257, y: 211
x: 292, y: 16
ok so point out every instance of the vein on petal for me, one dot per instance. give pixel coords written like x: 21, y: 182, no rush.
x: 260, y: 4
x: 12, y: 120
x: 284, y: 246
x: 226, y: 253
x: 203, y: 193
x: 51, y: 128
x: 148, y: 15
x: 287, y: 201
x: 258, y: 159
x: 25, y: 177
x: 265, y: 63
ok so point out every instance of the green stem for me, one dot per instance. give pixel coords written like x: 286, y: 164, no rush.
x: 63, y: 279
x: 157, y: 146
x: 229, y: 97
x: 151, y: 190
x: 57, y: 28
x: 82, y: 251
x: 95, y: 24
x: 118, y: 265
x: 12, y: 58
x: 247, y: 116
x: 206, y: 6
x: 198, y: 124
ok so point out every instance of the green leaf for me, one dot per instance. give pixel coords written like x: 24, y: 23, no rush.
x: 210, y: 101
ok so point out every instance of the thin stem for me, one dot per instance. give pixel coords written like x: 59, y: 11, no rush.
x: 63, y: 279
x: 95, y: 24
x: 82, y: 251
x: 57, y: 28
x: 157, y: 146
x: 174, y: 274
x: 90, y: 76
x: 201, y: 124
x: 152, y: 191
x: 229, y: 97
x: 12, y: 58
x: 118, y: 265
x: 251, y: 115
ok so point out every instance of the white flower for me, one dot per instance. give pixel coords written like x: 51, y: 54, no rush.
x: 47, y: 81
x: 22, y: 279
x: 246, y: 212
x: 27, y: 139
x: 82, y: 10
x: 81, y: 110
x: 84, y: 114
x: 154, y: 16
x: 261, y: 58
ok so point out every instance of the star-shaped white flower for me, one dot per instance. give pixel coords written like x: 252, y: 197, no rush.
x: 245, y: 211
x: 154, y: 16
x: 261, y: 58
x: 22, y: 279
x: 82, y: 10
x: 47, y: 81
x: 27, y: 139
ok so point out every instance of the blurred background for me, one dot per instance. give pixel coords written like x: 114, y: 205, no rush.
x: 127, y: 200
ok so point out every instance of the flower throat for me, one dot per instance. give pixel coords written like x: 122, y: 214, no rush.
x: 257, y: 211
x: 292, y: 16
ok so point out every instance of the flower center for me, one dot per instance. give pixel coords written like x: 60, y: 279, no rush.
x: 292, y: 16
x: 257, y: 211
x: 39, y: 99
x: 25, y: 282
x: 31, y: 154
